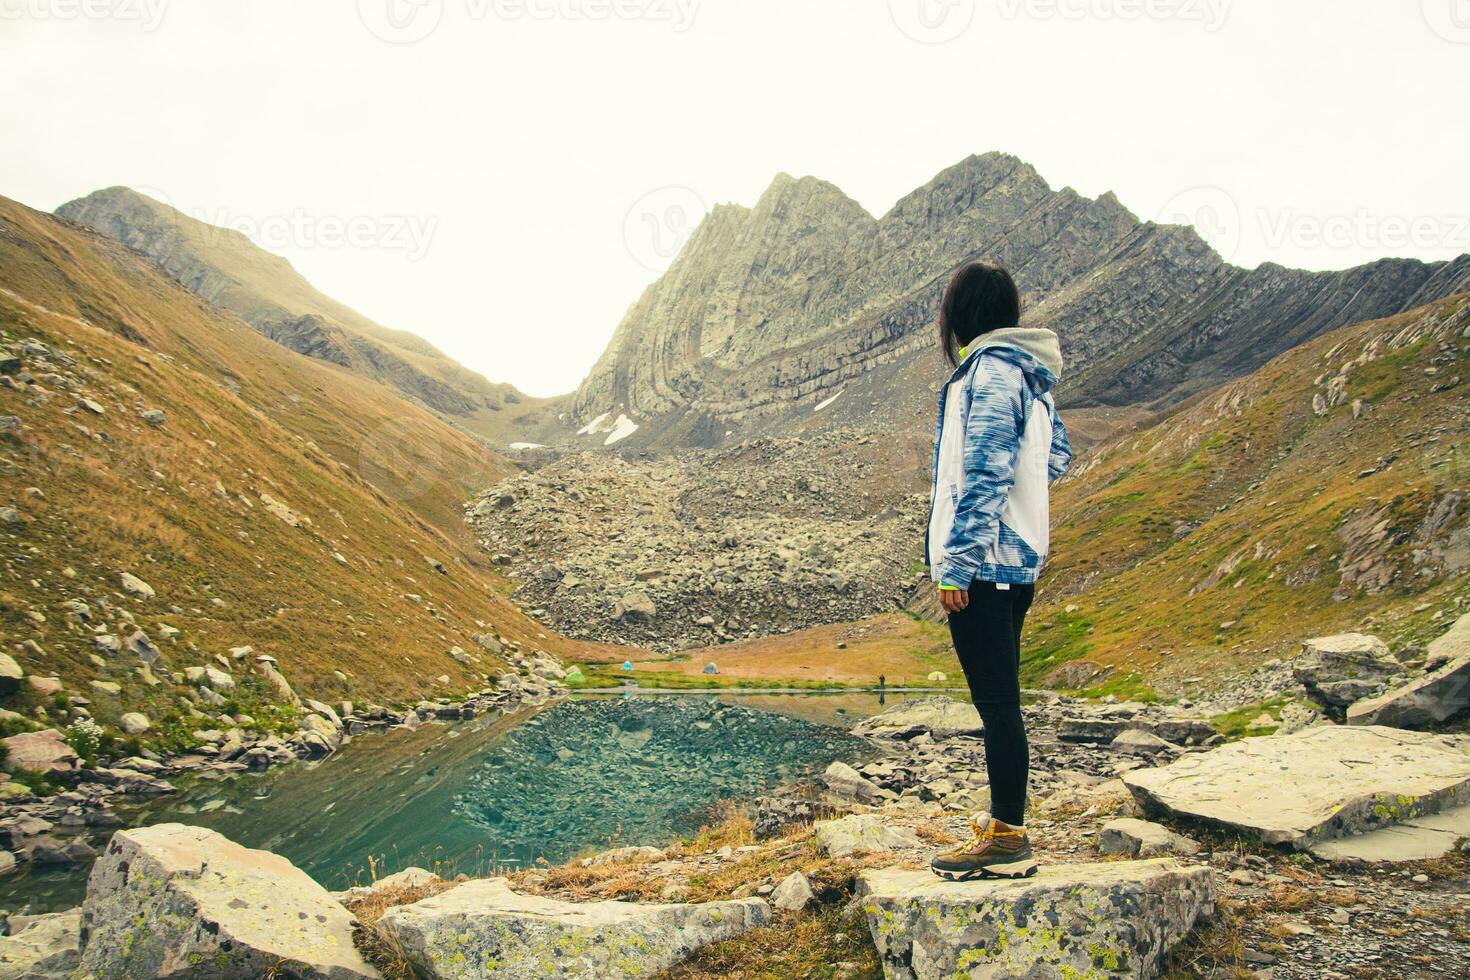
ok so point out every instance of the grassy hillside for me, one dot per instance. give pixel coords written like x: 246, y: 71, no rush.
x: 229, y: 270
x: 282, y: 502
x: 1326, y: 491
x: 1330, y: 490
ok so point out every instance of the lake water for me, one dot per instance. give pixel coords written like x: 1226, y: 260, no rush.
x: 497, y: 793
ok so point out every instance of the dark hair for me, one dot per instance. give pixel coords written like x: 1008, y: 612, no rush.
x: 981, y: 297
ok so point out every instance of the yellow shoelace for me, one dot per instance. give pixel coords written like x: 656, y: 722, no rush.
x: 985, y: 833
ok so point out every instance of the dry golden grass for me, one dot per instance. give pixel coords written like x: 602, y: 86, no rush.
x: 899, y: 647
x: 377, y: 480
x: 380, y: 952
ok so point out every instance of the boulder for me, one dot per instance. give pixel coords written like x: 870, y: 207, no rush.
x: 773, y: 814
x: 266, y: 667
x: 482, y: 928
x: 42, y: 947
x: 165, y: 896
x: 1297, y: 717
x: 133, y: 585
x: 44, y: 751
x: 793, y: 894
x: 1077, y: 920
x: 1431, y: 699
x: 11, y: 674
x: 1325, y: 782
x: 134, y: 723
x: 847, y: 783
x: 1074, y: 675
x: 140, y: 646
x: 862, y: 833
x: 941, y: 717
x: 52, y: 852
x: 1140, y: 838
x: 1338, y: 670
x: 1136, y: 741
x: 635, y: 608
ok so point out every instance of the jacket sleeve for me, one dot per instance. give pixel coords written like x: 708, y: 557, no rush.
x: 1060, y: 458
x: 993, y: 426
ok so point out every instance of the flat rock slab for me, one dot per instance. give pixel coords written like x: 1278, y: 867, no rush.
x: 1418, y: 839
x: 940, y: 716
x: 1117, y: 918
x: 482, y: 928
x: 1312, y: 786
x: 177, y: 901
x: 1437, y: 696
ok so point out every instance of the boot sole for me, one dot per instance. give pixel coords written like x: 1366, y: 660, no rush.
x: 1014, y: 870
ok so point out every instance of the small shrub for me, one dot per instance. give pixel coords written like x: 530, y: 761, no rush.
x: 39, y: 783
x: 85, y: 737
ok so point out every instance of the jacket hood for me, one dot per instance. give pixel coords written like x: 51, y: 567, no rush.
x: 1035, y: 350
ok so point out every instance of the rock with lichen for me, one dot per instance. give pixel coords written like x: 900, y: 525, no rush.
x: 171, y: 900
x: 482, y: 928
x: 1078, y: 920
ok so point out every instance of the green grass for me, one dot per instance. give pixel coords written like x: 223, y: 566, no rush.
x: 1124, y: 687
x: 1049, y: 644
x: 1237, y: 724
x: 599, y: 677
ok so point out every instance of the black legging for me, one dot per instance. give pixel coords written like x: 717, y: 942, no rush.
x: 987, y: 637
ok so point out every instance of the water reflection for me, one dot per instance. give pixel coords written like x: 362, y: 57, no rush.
x: 495, y: 793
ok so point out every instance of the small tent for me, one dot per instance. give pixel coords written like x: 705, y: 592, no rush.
x: 938, y: 677
x: 627, y: 665
x: 711, y: 668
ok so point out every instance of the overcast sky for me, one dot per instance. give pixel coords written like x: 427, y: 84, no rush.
x: 510, y: 174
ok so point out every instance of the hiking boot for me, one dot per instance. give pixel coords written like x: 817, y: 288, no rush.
x: 995, y: 850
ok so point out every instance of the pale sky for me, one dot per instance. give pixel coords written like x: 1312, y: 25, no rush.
x: 511, y: 174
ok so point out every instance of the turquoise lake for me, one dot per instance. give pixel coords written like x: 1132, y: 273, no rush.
x: 497, y: 793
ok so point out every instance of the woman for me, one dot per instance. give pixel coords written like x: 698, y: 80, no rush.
x: 999, y: 445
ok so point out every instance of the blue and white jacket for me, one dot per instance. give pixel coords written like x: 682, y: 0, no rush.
x: 1000, y: 443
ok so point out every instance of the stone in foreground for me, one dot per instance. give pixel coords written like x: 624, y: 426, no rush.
x: 1140, y: 838
x: 861, y: 834
x: 940, y: 716
x: 1416, y: 839
x: 1437, y: 696
x: 171, y: 900
x: 1313, y: 786
x: 482, y: 928
x: 42, y: 948
x: 1072, y: 920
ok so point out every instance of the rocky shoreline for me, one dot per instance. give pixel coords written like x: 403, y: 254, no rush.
x: 60, y: 827
x: 1140, y: 808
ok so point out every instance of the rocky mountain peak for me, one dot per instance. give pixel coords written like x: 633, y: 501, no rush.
x: 805, y: 302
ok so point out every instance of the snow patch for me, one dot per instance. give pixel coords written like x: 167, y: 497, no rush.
x: 822, y: 405
x: 526, y: 445
x: 594, y: 426
x: 622, y: 429
x: 616, y: 431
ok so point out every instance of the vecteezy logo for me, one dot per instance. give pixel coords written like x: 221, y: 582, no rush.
x: 659, y: 223
x: 1450, y: 19
x: 1212, y: 212
x: 401, y: 21
x: 932, y: 21
x: 400, y: 461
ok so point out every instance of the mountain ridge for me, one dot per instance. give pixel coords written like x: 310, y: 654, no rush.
x: 229, y: 270
x: 770, y: 310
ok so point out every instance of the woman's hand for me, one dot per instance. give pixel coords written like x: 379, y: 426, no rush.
x: 953, y: 600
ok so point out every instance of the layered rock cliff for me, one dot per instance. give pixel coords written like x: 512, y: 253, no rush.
x: 806, y: 300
